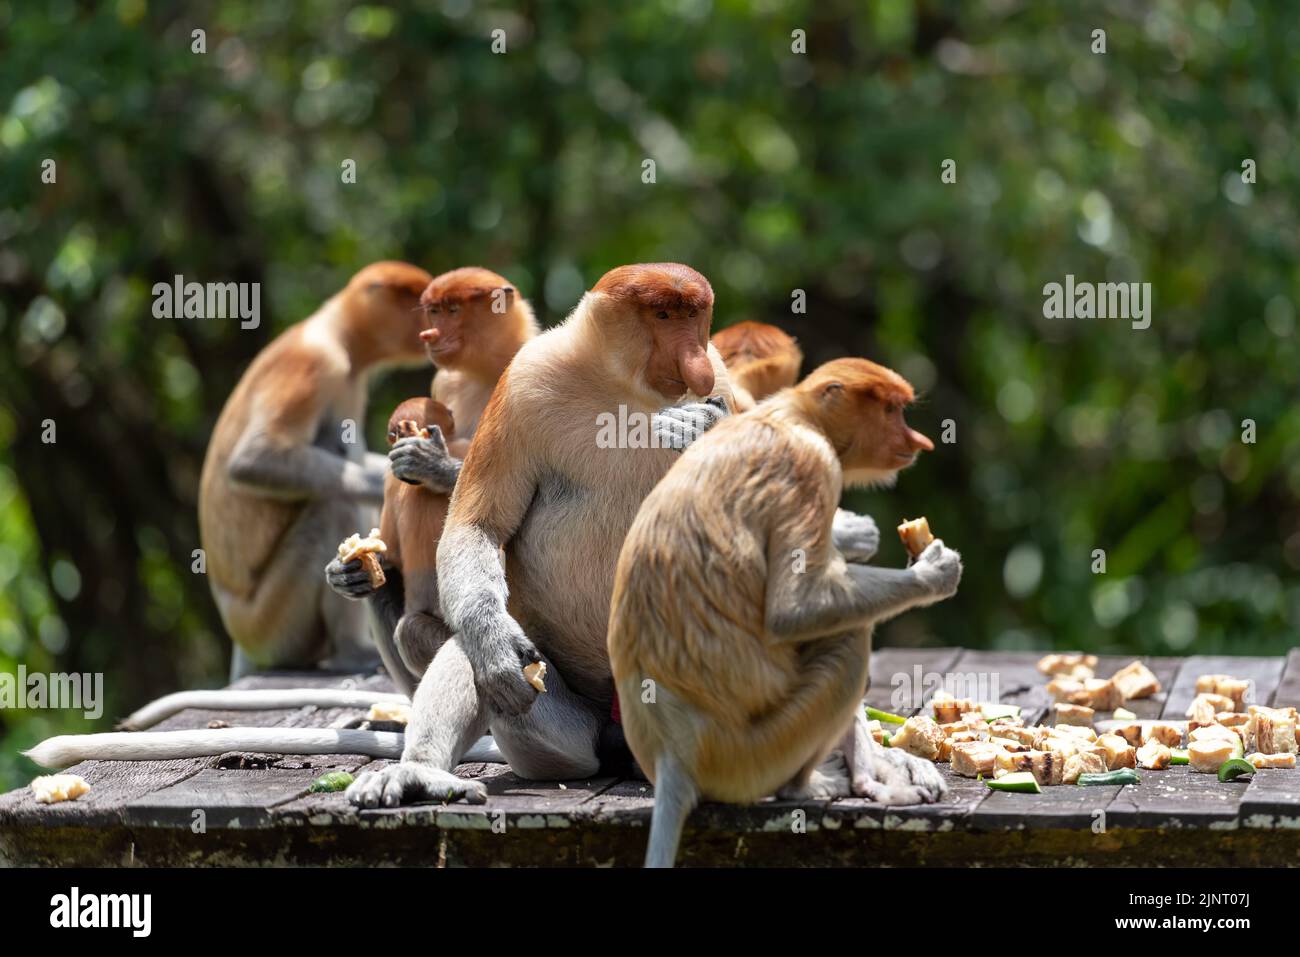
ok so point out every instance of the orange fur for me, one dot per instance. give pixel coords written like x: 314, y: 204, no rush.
x: 710, y: 550
x: 535, y: 479
x: 311, y: 377
x: 761, y: 359
x: 412, y: 519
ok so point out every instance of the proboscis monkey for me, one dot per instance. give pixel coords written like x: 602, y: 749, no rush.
x: 284, y: 481
x: 542, y: 481
x: 760, y: 359
x: 410, y: 525
x: 477, y: 322
x: 739, y: 635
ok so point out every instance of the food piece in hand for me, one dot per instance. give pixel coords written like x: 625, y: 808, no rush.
x: 948, y: 709
x: 915, y: 534
x: 1171, y: 736
x: 1072, y: 665
x: 919, y: 736
x: 1206, y: 756
x: 398, y: 712
x: 1272, y: 730
x: 55, y: 788
x: 407, y: 429
x: 1083, y: 762
x: 1119, y: 753
x: 536, y: 675
x: 970, y: 759
x: 1272, y: 760
x: 1135, y: 681
x: 367, y: 549
x: 1074, y: 714
x: 1154, y: 756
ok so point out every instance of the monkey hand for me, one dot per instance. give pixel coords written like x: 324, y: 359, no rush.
x: 349, y: 579
x: 679, y: 425
x: 420, y: 461
x: 411, y: 781
x: 856, y: 536
x: 939, y: 570
x: 500, y: 677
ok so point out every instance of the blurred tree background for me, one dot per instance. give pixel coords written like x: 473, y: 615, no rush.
x: 776, y: 171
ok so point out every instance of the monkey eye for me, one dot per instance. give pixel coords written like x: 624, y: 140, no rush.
x: 454, y: 307
x: 662, y: 314
x: 432, y: 307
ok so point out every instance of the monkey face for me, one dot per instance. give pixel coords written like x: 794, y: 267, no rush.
x: 659, y: 316
x: 459, y: 309
x: 860, y: 406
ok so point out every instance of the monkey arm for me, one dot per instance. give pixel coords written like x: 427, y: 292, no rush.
x: 292, y: 472
x: 495, y: 490
x: 816, y: 603
x: 427, y: 462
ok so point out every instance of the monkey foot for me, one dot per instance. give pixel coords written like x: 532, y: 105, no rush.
x: 828, y: 782
x: 408, y: 783
x: 897, y: 777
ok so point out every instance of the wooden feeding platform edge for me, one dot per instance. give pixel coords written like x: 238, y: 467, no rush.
x: 255, y: 810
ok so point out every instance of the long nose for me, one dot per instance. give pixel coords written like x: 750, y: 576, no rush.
x: 429, y: 335
x: 695, y: 369
x: 919, y: 441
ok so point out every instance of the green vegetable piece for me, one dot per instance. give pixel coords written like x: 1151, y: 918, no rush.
x: 332, y: 781
x: 1022, y: 782
x: 1177, y: 756
x: 877, y: 715
x: 1233, y: 767
x: 1121, y: 776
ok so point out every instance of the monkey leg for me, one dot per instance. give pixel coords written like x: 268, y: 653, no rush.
x: 888, y: 775
x: 292, y: 619
x: 446, y: 718
x: 558, y: 738
x: 418, y: 637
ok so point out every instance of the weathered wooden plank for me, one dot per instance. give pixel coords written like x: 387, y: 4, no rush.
x: 1272, y: 800
x: 1264, y: 672
x: 1060, y: 806
x: 899, y: 676
x: 1177, y: 798
x: 227, y: 798
x: 1287, y: 693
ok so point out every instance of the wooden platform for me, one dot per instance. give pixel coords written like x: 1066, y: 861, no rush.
x: 258, y: 812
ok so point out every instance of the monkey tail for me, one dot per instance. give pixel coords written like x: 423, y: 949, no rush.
x: 64, y: 750
x: 262, y: 699
x: 675, y: 796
